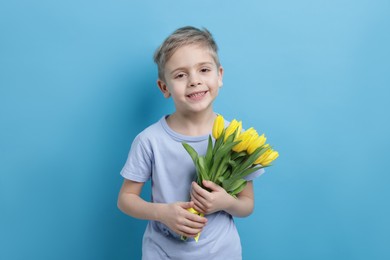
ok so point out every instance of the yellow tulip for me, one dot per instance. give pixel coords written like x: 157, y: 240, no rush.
x: 270, y: 158
x: 245, y: 138
x: 263, y: 157
x: 219, y: 125
x: 233, y: 126
x: 267, y: 157
x: 256, y: 143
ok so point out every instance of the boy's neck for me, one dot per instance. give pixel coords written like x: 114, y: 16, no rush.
x: 195, y: 124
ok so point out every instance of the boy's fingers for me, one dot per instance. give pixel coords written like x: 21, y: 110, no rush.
x: 186, y: 205
x: 211, y: 185
x: 199, y: 207
x: 198, y: 199
x: 197, y: 190
x: 193, y: 224
x: 195, y: 218
x: 189, y: 232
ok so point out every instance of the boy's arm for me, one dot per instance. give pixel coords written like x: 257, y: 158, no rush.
x: 174, y: 215
x: 218, y: 199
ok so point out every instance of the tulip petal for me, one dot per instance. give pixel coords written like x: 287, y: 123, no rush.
x: 219, y: 125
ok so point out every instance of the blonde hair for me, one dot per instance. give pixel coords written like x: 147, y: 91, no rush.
x: 182, y: 37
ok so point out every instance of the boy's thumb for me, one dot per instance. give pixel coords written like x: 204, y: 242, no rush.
x: 211, y: 185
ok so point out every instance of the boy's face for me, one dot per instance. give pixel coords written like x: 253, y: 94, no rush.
x: 192, y: 78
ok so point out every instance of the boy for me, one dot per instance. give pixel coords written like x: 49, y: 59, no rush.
x: 188, y: 71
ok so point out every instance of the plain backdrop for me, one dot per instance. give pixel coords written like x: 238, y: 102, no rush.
x: 77, y: 83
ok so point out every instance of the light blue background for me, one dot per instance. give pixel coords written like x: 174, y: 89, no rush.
x: 77, y: 83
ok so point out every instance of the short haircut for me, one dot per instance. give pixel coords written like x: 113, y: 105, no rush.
x: 182, y: 37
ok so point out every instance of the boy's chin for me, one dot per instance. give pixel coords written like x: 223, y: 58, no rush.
x: 200, y: 109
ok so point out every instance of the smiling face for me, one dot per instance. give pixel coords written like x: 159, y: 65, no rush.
x: 192, y: 79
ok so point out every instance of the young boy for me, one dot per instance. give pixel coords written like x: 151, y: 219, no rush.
x: 188, y: 71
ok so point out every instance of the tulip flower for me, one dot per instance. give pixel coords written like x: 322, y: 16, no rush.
x: 256, y: 143
x: 270, y: 158
x: 234, y: 126
x: 267, y: 157
x: 262, y: 157
x: 245, y: 140
x: 219, y: 125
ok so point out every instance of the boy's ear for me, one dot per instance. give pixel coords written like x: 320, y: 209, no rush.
x: 220, y: 76
x: 163, y: 87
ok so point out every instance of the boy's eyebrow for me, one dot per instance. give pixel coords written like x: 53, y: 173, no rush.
x: 198, y: 65
x: 205, y: 63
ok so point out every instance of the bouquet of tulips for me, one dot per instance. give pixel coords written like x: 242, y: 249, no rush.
x: 233, y: 156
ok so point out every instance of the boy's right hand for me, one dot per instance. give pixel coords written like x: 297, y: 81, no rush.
x: 180, y: 220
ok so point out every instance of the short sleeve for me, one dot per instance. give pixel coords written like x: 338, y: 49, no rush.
x: 254, y: 175
x: 138, y: 166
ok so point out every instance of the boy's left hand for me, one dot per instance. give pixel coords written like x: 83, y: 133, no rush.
x: 208, y: 202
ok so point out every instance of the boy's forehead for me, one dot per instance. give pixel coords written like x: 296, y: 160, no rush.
x: 190, y: 54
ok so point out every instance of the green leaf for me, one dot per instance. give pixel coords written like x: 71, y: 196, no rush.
x: 232, y: 186
x: 201, y: 168
x: 222, y: 167
x: 248, y: 162
x: 227, y: 173
x: 209, y: 152
x: 221, y: 157
x: 239, y: 189
x: 221, y: 179
x: 219, y: 141
x: 238, y: 155
x: 224, y: 149
x: 246, y: 172
x: 230, y: 138
x: 191, y: 151
x: 232, y: 163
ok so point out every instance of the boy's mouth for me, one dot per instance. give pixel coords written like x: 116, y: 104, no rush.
x: 197, y: 95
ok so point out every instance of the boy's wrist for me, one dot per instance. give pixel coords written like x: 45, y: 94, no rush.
x: 230, y: 203
x: 158, y: 211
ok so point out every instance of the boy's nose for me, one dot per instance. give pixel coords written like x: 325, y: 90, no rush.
x: 194, y: 84
x: 195, y: 81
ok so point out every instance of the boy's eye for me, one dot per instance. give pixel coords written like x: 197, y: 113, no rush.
x: 205, y: 70
x: 180, y: 75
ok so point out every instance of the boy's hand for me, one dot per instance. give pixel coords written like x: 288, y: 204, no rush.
x: 181, y: 221
x: 209, y: 202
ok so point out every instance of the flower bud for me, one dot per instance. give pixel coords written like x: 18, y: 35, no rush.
x: 256, y: 143
x: 245, y: 139
x: 233, y: 126
x: 219, y: 125
x: 267, y: 157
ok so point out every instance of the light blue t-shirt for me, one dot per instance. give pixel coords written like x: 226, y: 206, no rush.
x: 157, y: 153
